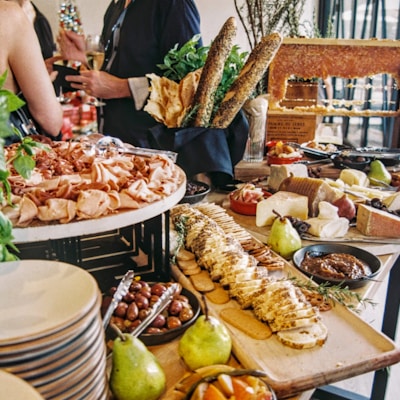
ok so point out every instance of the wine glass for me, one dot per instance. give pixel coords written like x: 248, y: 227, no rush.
x: 94, y: 52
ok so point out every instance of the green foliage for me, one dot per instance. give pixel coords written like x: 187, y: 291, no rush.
x: 178, y: 62
x: 339, y: 293
x: 22, y: 161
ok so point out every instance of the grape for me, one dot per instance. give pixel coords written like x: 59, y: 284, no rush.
x: 298, y: 224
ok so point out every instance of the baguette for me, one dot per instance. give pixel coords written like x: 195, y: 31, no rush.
x: 211, y: 74
x: 251, y: 73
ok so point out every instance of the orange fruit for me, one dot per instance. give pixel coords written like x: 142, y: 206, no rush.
x: 242, y: 390
x: 213, y: 393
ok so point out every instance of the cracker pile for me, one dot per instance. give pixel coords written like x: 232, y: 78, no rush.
x: 225, y: 257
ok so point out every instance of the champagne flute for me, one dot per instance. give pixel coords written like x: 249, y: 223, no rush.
x: 94, y: 52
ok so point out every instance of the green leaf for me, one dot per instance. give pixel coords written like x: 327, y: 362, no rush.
x: 24, y: 165
x: 6, y: 236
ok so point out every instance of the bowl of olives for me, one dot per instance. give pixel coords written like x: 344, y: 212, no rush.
x: 181, y: 312
x: 196, y: 191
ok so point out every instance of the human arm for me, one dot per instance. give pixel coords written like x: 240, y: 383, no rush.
x: 28, y: 70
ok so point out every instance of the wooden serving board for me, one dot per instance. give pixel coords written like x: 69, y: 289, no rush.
x: 353, y: 348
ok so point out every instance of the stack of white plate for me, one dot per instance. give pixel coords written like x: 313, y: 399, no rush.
x: 51, y: 332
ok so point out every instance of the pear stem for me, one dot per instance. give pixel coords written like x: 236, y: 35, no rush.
x: 118, y: 332
x: 278, y: 215
x: 203, y: 298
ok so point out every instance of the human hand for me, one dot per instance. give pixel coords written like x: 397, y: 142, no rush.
x: 100, y: 84
x: 49, y: 65
x: 72, y: 45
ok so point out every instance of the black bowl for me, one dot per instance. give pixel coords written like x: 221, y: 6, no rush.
x: 354, y: 162
x: 371, y: 260
x: 196, y: 191
x: 164, y: 337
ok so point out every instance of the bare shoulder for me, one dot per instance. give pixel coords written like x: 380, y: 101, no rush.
x: 11, y: 12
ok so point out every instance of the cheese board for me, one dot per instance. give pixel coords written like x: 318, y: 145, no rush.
x: 293, y: 370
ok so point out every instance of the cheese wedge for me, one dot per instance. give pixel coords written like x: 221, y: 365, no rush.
x: 373, y: 222
x: 284, y: 203
x: 278, y: 173
x: 354, y: 177
x: 392, y: 202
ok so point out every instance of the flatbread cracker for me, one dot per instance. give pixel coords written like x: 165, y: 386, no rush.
x: 247, y: 323
x: 184, y: 255
x: 219, y: 295
x: 202, y: 281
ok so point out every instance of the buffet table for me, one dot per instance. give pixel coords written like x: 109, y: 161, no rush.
x: 298, y: 388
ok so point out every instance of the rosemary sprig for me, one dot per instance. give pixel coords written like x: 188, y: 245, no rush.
x: 338, y: 293
x: 179, y: 222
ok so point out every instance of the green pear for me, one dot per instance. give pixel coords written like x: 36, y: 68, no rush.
x: 135, y: 373
x: 284, y: 238
x: 378, y: 173
x: 206, y: 342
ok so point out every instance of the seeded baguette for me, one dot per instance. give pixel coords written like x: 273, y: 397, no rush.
x: 243, y: 86
x: 212, y: 72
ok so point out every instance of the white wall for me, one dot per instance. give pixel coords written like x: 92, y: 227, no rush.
x: 213, y: 15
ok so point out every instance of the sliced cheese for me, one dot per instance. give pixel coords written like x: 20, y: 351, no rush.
x: 278, y: 173
x: 354, y: 177
x: 393, y: 202
x: 328, y: 228
x: 373, y: 222
x: 284, y: 203
x: 328, y: 224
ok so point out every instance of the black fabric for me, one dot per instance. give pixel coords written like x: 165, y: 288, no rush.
x: 44, y: 34
x: 204, y: 150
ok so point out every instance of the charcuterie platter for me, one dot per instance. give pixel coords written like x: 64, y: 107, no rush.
x: 76, y: 191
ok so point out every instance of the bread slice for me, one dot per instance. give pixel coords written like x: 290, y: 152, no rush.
x: 306, y: 337
x: 288, y: 324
